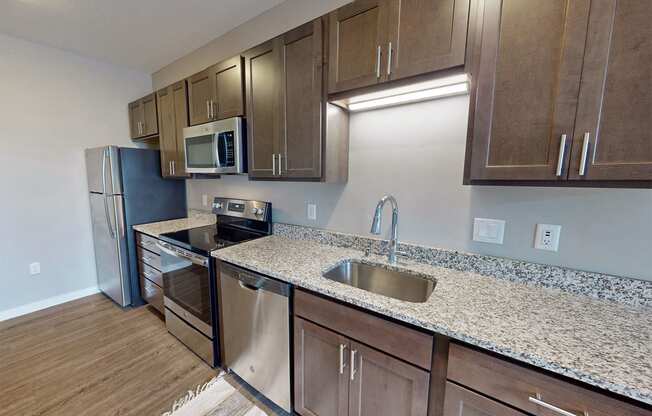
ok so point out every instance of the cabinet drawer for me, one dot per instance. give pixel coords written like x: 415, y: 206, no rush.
x: 152, y: 294
x: 462, y: 402
x: 405, y: 343
x: 147, y: 242
x: 151, y: 273
x: 149, y: 258
x: 518, y: 386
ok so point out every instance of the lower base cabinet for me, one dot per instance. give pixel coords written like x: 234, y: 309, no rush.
x: 336, y: 376
x: 462, y: 402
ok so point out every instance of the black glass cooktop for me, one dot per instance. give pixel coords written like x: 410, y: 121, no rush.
x: 203, y: 240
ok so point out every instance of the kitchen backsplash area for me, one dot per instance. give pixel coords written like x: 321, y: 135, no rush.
x: 602, y: 229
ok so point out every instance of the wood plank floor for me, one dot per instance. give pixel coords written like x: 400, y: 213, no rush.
x: 90, y: 357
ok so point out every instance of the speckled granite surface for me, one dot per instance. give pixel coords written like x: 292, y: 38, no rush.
x: 600, y: 286
x: 602, y: 343
x: 195, y: 219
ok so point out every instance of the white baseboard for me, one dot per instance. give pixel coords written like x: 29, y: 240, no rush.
x: 46, y: 303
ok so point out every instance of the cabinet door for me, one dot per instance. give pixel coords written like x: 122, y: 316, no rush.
x: 180, y: 99
x: 263, y: 83
x: 526, y: 77
x: 385, y: 386
x: 200, y: 97
x: 167, y: 133
x: 134, y: 119
x: 462, y: 402
x: 228, y: 80
x: 137, y: 119
x: 616, y: 95
x: 358, y: 40
x: 301, y: 133
x: 426, y: 36
x: 150, y: 118
x: 321, y: 371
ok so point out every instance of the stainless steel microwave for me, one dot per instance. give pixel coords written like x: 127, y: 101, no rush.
x: 217, y: 147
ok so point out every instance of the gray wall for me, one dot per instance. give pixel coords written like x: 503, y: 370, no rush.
x: 54, y: 105
x: 416, y: 152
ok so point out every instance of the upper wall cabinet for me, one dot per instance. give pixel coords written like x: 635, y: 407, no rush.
x: 173, y: 117
x: 291, y: 135
x: 561, y: 92
x: 142, y: 117
x: 217, y: 92
x: 374, y: 41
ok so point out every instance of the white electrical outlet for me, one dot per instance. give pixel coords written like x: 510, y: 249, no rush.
x: 34, y: 268
x: 487, y: 230
x: 312, y: 212
x: 547, y: 237
x: 204, y: 200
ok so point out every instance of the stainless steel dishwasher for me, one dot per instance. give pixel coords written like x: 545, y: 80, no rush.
x: 256, y: 330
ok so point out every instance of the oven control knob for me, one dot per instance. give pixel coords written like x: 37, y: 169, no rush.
x: 218, y: 205
x: 257, y: 211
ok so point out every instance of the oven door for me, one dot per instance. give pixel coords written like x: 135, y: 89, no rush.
x: 186, y: 286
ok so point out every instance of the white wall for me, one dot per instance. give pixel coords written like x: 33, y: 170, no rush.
x: 53, y: 105
x: 416, y: 152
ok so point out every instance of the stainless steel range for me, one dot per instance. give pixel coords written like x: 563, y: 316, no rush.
x: 190, y: 292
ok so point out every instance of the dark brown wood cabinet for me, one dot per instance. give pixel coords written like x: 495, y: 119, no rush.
x: 173, y: 117
x: 561, y: 93
x: 143, y: 117
x: 528, y: 390
x: 337, y: 375
x: 375, y: 41
x: 217, y: 92
x: 614, y: 116
x: 321, y: 378
x: 462, y: 402
x: 382, y: 385
x: 290, y: 134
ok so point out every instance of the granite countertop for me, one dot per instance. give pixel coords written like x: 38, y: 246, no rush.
x: 599, y: 342
x: 194, y: 219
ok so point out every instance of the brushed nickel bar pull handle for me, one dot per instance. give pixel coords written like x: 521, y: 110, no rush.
x: 389, y: 59
x: 273, y: 164
x: 562, y: 150
x: 537, y: 400
x: 174, y: 167
x: 342, y: 363
x: 208, y: 109
x: 585, y: 153
x: 280, y: 165
x: 378, y: 52
x: 353, y: 370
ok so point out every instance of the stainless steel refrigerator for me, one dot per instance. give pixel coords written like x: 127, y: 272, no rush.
x: 126, y: 188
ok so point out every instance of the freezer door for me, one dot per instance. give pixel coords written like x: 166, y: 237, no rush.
x: 110, y: 245
x: 103, y: 170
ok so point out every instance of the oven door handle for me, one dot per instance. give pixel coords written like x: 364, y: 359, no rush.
x: 217, y: 149
x: 164, y: 249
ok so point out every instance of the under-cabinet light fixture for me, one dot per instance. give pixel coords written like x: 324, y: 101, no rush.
x: 422, y: 91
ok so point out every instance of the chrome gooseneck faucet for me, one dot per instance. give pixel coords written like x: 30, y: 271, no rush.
x: 375, y: 225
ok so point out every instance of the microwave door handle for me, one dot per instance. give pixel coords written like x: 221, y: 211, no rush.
x: 217, y: 151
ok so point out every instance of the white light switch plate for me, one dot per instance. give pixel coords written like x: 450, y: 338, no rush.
x: 204, y: 200
x: 312, y: 212
x: 34, y: 268
x: 547, y: 237
x: 487, y: 230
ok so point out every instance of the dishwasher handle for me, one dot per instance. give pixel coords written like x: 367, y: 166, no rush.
x: 254, y: 281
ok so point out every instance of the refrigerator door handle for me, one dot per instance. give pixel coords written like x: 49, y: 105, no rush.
x: 106, y: 202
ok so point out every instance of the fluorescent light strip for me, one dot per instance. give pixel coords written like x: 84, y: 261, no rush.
x: 411, y: 97
x: 419, y: 86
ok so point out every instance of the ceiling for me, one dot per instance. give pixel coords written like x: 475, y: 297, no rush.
x: 141, y: 34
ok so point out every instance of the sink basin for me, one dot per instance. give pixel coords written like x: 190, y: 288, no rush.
x: 382, y: 280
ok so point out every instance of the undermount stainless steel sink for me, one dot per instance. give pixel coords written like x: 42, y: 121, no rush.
x: 382, y: 280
